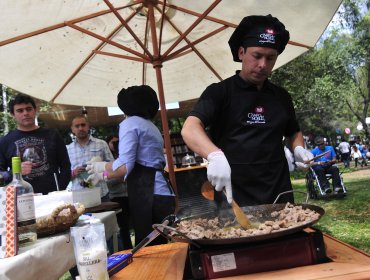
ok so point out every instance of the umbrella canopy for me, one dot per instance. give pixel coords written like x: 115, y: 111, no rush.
x: 82, y: 52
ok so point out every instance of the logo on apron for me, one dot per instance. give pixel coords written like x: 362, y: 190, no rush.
x: 256, y: 117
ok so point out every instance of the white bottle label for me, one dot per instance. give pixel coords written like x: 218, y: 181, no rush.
x: 25, y: 207
x: 92, y: 264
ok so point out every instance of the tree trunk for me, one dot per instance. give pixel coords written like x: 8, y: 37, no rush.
x: 366, y: 105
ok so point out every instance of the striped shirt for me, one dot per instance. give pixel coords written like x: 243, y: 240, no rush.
x: 80, y: 155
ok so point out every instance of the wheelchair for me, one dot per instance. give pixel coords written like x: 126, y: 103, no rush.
x: 314, y: 189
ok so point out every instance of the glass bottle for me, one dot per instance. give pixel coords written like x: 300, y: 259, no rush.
x: 26, y: 219
x: 2, y: 181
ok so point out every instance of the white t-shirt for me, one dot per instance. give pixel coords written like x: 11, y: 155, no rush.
x: 356, y: 154
x: 344, y: 147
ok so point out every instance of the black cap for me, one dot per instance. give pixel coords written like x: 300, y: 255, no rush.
x: 319, y: 140
x: 259, y: 31
x: 139, y: 101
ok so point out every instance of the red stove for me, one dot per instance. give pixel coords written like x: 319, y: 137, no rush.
x: 298, y: 249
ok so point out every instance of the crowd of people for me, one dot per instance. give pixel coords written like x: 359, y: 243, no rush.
x: 135, y: 159
x: 347, y: 151
x: 356, y: 151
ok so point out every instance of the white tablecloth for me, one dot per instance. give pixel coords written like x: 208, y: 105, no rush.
x: 50, y: 257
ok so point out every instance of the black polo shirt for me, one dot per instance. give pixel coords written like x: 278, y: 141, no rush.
x: 249, y: 125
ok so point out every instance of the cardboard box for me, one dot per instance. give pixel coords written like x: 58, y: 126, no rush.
x: 118, y: 261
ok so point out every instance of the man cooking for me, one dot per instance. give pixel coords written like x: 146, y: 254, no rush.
x: 248, y: 117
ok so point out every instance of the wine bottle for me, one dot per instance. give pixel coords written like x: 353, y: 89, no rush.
x: 26, y: 219
x: 1, y: 180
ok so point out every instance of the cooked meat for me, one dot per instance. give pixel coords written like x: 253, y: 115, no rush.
x: 290, y: 216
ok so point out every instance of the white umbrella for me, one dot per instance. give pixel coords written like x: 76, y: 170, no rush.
x: 82, y: 52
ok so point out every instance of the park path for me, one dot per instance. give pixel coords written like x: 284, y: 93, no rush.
x: 361, y: 172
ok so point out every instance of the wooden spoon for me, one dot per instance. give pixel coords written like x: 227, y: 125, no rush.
x: 208, y: 192
x: 318, y: 156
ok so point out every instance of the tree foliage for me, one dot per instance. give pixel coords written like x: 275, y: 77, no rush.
x: 330, y: 83
x: 7, y: 122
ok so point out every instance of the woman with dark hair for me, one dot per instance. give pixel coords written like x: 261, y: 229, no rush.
x: 112, y: 141
x: 140, y: 162
x: 356, y: 154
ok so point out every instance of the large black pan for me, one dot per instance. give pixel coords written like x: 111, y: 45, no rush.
x: 260, y: 213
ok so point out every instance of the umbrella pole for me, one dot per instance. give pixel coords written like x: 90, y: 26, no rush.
x: 166, y: 135
x: 157, y: 65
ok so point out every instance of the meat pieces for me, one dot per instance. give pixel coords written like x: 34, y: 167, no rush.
x: 290, y: 216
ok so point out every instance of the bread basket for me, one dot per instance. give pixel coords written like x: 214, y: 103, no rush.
x: 61, y: 219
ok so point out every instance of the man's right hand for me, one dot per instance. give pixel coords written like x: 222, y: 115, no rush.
x: 26, y: 167
x: 219, y: 173
x: 78, y: 170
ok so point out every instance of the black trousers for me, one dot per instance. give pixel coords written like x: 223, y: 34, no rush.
x: 328, y: 169
x: 123, y: 220
x: 146, y: 208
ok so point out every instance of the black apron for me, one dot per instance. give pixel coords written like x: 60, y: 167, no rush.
x: 261, y: 183
x: 248, y: 125
x: 146, y: 208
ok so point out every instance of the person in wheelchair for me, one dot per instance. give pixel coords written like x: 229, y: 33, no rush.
x: 326, y: 165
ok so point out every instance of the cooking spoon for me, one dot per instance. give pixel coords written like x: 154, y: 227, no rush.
x: 208, y: 192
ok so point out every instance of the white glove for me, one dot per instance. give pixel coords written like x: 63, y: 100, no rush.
x: 95, y: 167
x: 301, y: 155
x: 95, y: 178
x: 219, y: 173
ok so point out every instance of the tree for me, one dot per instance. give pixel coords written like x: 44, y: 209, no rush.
x: 7, y: 124
x: 330, y: 83
x: 356, y: 17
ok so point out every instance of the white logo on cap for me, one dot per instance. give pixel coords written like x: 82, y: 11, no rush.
x: 267, y: 37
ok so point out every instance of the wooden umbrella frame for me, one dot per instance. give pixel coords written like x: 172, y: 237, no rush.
x: 156, y: 57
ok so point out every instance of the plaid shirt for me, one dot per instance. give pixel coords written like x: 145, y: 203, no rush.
x: 80, y: 155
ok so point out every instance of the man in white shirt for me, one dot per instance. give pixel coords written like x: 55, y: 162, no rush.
x: 345, y: 150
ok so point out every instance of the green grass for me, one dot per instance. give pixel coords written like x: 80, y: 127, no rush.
x: 348, y: 218
x: 66, y: 276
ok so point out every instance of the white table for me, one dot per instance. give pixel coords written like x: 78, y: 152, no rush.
x: 50, y: 257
